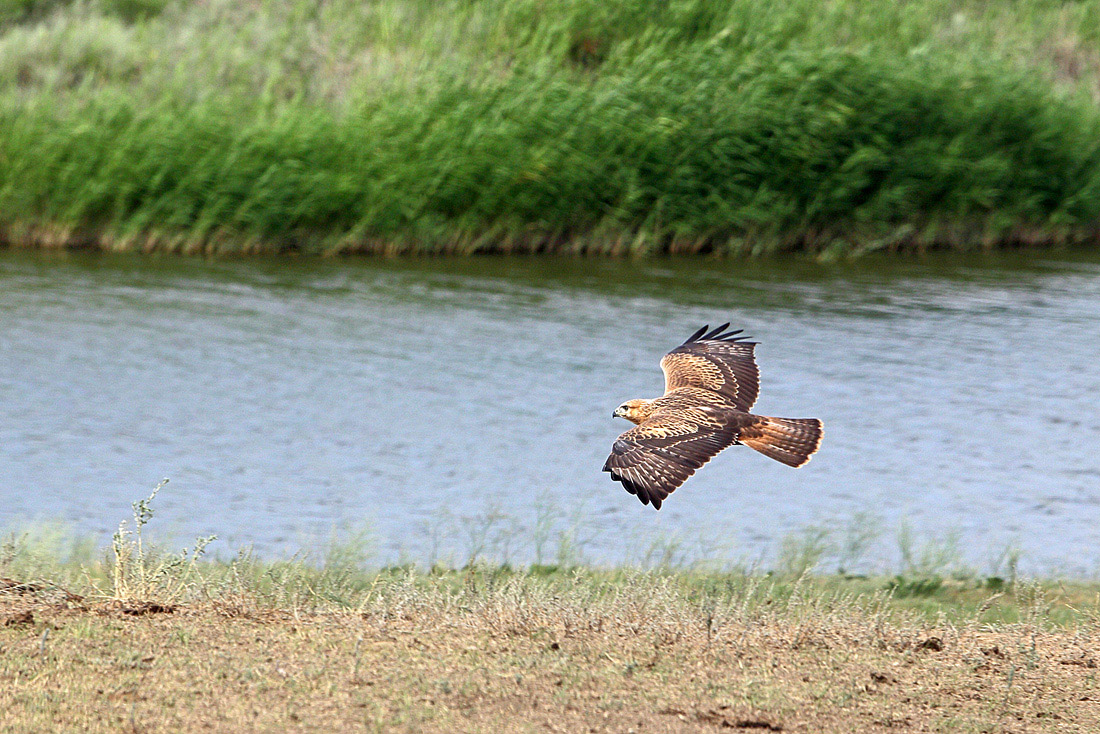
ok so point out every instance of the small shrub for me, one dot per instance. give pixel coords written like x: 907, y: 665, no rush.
x: 906, y: 586
x: 134, y: 10
x: 26, y: 11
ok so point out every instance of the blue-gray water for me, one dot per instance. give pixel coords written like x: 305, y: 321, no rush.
x: 439, y: 401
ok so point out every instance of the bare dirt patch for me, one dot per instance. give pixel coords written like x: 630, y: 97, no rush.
x: 210, y: 668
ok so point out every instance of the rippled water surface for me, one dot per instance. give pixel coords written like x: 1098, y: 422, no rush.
x: 445, y: 404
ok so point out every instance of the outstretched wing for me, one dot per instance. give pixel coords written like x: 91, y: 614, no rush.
x: 717, y: 360
x: 658, y: 455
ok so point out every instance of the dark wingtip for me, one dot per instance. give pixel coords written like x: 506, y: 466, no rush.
x: 734, y: 335
x: 623, y: 481
x: 713, y: 333
x: 644, y: 496
x: 636, y: 489
x: 718, y: 334
x: 696, y: 335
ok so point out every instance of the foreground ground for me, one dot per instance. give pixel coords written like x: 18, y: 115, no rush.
x: 493, y: 650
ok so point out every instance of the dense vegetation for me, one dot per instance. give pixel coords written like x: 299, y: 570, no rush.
x: 627, y: 126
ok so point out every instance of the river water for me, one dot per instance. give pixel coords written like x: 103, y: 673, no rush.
x: 461, y: 406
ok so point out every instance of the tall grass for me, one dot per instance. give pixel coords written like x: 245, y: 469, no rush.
x: 138, y: 576
x: 631, y: 126
x: 135, y: 569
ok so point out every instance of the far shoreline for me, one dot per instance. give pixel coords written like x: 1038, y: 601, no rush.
x: 841, y: 246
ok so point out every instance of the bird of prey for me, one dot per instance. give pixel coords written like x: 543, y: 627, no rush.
x: 711, y: 383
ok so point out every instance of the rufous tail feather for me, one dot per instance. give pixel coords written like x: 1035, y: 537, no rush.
x: 789, y: 440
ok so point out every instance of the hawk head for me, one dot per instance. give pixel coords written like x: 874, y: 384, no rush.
x: 634, y: 411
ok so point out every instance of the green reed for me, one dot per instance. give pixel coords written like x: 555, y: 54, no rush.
x: 554, y: 125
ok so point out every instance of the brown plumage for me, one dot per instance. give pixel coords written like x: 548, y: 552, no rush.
x: 711, y: 382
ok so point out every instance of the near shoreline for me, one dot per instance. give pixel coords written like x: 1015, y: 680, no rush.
x: 143, y: 639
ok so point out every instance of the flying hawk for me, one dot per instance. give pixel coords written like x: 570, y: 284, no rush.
x: 711, y: 382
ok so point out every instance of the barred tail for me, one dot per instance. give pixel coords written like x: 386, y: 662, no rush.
x: 789, y: 440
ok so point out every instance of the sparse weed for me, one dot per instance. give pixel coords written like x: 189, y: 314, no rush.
x: 141, y: 573
x: 800, y: 554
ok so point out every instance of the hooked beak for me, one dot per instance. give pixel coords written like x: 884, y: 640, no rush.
x: 618, y: 412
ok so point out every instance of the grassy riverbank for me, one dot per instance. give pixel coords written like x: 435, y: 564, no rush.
x: 571, y: 125
x: 288, y: 648
x: 139, y: 639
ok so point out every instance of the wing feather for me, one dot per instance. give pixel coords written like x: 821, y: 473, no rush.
x: 655, y: 457
x: 717, y: 360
